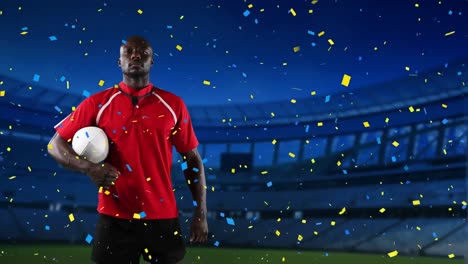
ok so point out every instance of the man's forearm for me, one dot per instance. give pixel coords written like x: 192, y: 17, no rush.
x: 63, y: 153
x: 195, y: 176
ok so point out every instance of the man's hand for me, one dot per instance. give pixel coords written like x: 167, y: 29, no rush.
x: 198, y: 229
x: 103, y: 175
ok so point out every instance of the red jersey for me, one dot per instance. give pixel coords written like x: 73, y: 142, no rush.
x: 142, y: 126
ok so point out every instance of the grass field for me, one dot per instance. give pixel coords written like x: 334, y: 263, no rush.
x: 68, y: 254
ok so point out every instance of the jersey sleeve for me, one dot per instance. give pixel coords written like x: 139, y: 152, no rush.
x: 183, y: 136
x: 84, y: 115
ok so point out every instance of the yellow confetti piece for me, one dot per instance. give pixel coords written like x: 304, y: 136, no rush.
x: 278, y: 233
x: 313, y: 93
x: 451, y: 255
x: 148, y: 179
x: 331, y: 42
x: 250, y: 6
x: 175, y: 233
x: 411, y: 109
x: 314, y: 2
x: 136, y: 216
x: 450, y: 33
x: 272, y: 114
x: 278, y: 220
x: 100, y: 189
x: 273, y: 141
x: 464, y: 203
x: 342, y: 211
x: 8, y: 149
x: 29, y: 169
x: 392, y: 254
x: 416, y: 202
x: 332, y: 223
x: 283, y: 259
x: 293, y: 101
x: 12, y: 177
x: 299, y: 237
x: 346, y: 79
x: 101, y: 83
x: 313, y: 161
x: 395, y: 143
x: 443, y: 105
x: 321, y: 33
x: 292, y: 11
x: 387, y: 119
x: 382, y: 210
x: 366, y: 124
x: 24, y: 33
x: 407, y: 68
x: 71, y: 217
x: 296, y: 49
x: 68, y: 85
x: 140, y: 11
x: 316, y: 233
x: 338, y: 163
x: 320, y: 124
x: 206, y: 82
x: 179, y: 48
x: 264, y: 172
x: 250, y: 227
x: 292, y: 155
x: 107, y: 192
x: 418, y: 228
x: 233, y: 170
x: 2, y: 93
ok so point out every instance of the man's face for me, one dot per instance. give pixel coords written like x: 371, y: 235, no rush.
x: 136, y: 58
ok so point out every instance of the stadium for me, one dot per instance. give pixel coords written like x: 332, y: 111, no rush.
x: 376, y: 175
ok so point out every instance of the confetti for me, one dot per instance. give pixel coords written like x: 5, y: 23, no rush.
x: 416, y: 202
x: 269, y: 184
x: 449, y: 33
x: 179, y: 48
x: 330, y: 41
x: 139, y: 11
x: 205, y: 82
x: 278, y: 233
x: 36, y: 77
x: 246, y: 13
x: 346, y: 79
x: 392, y: 254
x: 296, y: 49
x: 395, y: 144
x: 230, y: 221
x: 366, y: 124
x: 2, y: 93
x: 52, y: 38
x: 342, y: 211
x: 321, y: 33
x: 292, y: 11
x: 101, y: 83
x: 89, y: 238
x: 451, y: 255
x: 71, y: 217
x: 128, y: 167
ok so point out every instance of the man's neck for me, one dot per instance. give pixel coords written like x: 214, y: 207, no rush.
x: 136, y: 83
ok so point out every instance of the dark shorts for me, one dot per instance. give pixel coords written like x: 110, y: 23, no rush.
x: 120, y: 241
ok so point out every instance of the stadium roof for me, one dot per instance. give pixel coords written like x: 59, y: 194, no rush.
x: 444, y: 82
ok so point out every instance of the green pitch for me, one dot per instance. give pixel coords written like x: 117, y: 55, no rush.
x: 71, y: 254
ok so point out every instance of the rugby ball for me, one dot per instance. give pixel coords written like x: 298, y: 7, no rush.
x: 91, y: 143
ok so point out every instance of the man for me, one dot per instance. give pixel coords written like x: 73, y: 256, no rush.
x: 137, y: 209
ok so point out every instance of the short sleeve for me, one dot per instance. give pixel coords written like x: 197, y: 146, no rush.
x: 84, y: 115
x: 183, y: 136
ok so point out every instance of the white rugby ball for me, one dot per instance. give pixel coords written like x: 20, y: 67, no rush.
x: 92, y: 143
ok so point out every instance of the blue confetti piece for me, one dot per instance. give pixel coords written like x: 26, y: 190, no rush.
x: 326, y: 254
x: 408, y: 182
x: 445, y: 121
x: 128, y: 168
x: 195, y: 170
x: 124, y: 128
x: 24, y: 28
x: 86, y: 93
x: 58, y: 109
x: 87, y: 135
x: 367, y: 197
x: 256, y: 21
x: 89, y: 238
x: 464, y: 207
x: 183, y: 166
x: 169, y: 27
x: 62, y: 79
x: 196, y: 180
x: 142, y: 214
x: 346, y: 232
x: 269, y: 184
x: 124, y: 41
x: 450, y: 12
x: 246, y: 13
x: 244, y: 75
x: 47, y: 227
x: 327, y: 98
x: 393, y: 158
x: 345, y: 172
x: 406, y: 168
x: 434, y: 234
x: 216, y: 244
x: 313, y: 44
x: 234, y: 65
x: 307, y: 129
x: 195, y: 203
x: 318, y: 223
x: 73, y: 26
x: 221, y: 214
x: 52, y: 38
x: 359, y: 58
x: 230, y: 221
x: 204, y: 160
x: 66, y: 25
x: 36, y: 77
x: 310, y: 32
x: 459, y: 73
x: 378, y: 141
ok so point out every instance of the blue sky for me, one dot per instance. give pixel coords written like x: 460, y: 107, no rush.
x: 243, y: 54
